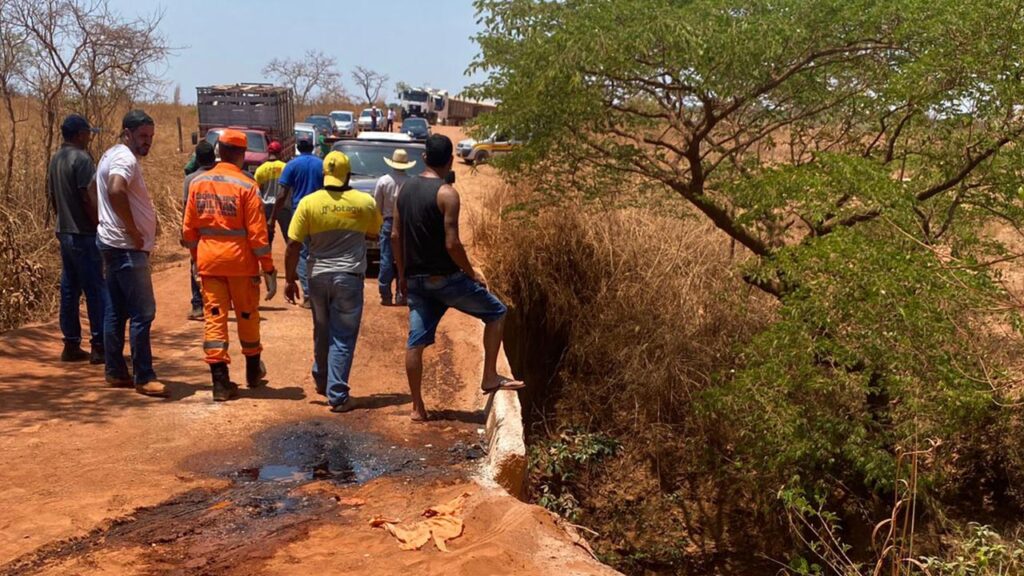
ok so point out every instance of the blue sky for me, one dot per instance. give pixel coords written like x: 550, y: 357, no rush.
x: 224, y: 42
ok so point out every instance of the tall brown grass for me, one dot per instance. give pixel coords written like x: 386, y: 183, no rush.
x: 653, y: 303
x: 621, y: 317
x: 29, y: 255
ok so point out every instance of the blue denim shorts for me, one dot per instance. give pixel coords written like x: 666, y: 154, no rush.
x: 431, y: 296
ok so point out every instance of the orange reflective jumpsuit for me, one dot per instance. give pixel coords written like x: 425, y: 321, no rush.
x: 227, y: 233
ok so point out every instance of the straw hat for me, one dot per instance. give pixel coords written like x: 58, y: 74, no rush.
x: 399, y: 160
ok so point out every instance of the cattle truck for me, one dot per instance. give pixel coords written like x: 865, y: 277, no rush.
x: 262, y: 111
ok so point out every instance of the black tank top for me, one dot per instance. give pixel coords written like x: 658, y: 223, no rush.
x: 423, y: 229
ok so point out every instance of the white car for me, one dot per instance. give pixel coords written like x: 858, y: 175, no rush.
x: 365, y: 122
x: 463, y: 148
x: 479, y: 151
x: 307, y: 130
x: 344, y: 123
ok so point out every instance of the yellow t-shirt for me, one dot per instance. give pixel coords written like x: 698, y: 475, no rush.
x: 268, y: 176
x: 336, y: 224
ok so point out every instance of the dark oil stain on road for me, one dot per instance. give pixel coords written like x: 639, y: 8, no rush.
x: 212, y: 531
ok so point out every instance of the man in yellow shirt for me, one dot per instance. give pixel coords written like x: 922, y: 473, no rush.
x: 337, y: 220
x: 268, y: 176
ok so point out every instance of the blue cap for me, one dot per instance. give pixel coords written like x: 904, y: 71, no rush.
x: 74, y: 124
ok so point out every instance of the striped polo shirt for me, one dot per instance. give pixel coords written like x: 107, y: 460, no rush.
x: 336, y: 224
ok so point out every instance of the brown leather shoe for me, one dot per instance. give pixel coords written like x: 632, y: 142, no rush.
x: 117, y: 383
x: 152, y: 388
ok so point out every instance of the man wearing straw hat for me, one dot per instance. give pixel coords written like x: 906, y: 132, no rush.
x: 386, y: 191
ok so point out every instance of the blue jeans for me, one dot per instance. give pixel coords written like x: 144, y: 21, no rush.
x: 130, y: 297
x: 337, y: 302
x: 284, y: 219
x: 301, y: 270
x: 431, y: 296
x: 387, y: 259
x: 82, y: 271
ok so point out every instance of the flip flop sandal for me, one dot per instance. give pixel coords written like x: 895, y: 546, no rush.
x: 506, y: 385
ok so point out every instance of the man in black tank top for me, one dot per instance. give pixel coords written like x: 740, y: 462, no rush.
x: 435, y: 273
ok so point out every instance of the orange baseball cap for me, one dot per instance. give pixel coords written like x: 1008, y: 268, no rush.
x: 234, y: 138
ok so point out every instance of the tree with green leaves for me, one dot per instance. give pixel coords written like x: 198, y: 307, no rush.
x: 861, y: 152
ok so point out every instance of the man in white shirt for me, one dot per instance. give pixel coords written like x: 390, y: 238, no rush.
x: 385, y: 193
x: 391, y: 119
x: 125, y: 236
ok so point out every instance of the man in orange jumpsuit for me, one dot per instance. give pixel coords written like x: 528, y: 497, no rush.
x: 227, y: 233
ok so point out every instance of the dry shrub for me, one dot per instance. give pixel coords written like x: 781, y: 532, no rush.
x: 621, y: 318
x: 27, y: 274
x: 29, y: 253
x: 652, y: 305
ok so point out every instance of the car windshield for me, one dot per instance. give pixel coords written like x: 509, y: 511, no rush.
x: 342, y: 116
x: 415, y: 96
x: 365, y: 114
x: 368, y: 160
x: 319, y: 120
x: 307, y: 133
x: 418, y: 123
x: 254, y: 141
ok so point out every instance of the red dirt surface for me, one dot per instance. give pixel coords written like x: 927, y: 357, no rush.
x: 105, y: 481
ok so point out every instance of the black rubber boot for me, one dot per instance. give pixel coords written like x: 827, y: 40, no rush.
x: 255, y: 370
x: 223, y: 389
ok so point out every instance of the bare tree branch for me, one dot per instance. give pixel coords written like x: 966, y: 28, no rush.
x: 369, y: 81
x: 315, y: 75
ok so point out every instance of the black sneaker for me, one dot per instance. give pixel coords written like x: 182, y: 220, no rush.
x: 96, y: 356
x: 73, y: 353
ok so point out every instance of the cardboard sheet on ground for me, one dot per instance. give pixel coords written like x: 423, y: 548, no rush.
x: 442, y: 523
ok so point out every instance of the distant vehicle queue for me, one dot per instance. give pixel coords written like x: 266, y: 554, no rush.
x: 351, y: 197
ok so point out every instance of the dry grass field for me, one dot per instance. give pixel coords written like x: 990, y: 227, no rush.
x: 29, y: 258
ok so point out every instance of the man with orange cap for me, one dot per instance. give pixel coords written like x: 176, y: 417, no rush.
x: 226, y: 230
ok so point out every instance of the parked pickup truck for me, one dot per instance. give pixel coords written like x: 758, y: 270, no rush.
x: 473, y: 151
x: 264, y: 112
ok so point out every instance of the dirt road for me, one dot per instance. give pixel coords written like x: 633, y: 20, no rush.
x: 105, y: 481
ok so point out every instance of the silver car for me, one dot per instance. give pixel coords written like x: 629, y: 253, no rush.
x: 344, y: 123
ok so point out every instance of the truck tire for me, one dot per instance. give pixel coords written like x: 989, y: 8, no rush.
x: 481, y: 157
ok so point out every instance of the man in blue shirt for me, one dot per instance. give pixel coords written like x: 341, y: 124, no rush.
x: 303, y: 175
